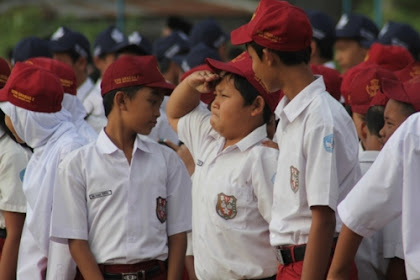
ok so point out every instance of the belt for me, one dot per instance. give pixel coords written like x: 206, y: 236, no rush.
x: 138, y: 271
x: 295, y: 253
x: 3, y: 233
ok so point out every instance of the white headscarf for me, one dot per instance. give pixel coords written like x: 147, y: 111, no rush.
x: 72, y: 104
x: 52, y: 136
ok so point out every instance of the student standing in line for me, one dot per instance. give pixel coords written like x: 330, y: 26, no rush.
x: 125, y: 201
x: 318, y: 158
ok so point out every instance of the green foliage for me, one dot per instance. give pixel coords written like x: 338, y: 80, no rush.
x: 27, y: 21
x: 393, y: 10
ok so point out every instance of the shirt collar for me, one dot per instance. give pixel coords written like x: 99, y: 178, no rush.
x: 106, y: 146
x: 256, y: 136
x: 293, y: 108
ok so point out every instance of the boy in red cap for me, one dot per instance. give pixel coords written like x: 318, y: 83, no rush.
x: 104, y: 184
x: 34, y: 115
x: 317, y: 164
x: 13, y: 160
x: 232, y: 183
x: 70, y: 101
x: 396, y: 190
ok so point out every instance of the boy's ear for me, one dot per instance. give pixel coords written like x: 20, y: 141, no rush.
x: 257, y: 106
x: 120, y: 100
x: 269, y: 57
x: 364, y: 129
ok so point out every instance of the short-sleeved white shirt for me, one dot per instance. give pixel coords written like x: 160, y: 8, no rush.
x: 90, y: 96
x: 318, y: 161
x: 389, y: 188
x: 120, y: 208
x: 232, y: 196
x: 13, y: 161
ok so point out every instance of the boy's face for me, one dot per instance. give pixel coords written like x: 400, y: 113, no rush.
x: 142, y: 111
x: 348, y: 53
x: 103, y: 63
x: 10, y: 126
x: 393, y: 117
x: 260, y: 69
x: 229, y: 114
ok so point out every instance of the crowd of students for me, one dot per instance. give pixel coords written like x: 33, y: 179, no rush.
x: 285, y: 150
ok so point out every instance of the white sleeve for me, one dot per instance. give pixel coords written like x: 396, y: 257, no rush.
x: 69, y: 212
x: 321, y: 176
x: 194, y: 127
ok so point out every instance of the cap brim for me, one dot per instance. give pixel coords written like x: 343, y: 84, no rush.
x: 167, y: 87
x: 55, y: 46
x: 219, y: 66
x: 241, y: 35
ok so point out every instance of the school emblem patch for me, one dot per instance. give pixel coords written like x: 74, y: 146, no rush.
x: 329, y: 143
x: 161, y: 209
x: 294, y: 178
x: 226, y: 206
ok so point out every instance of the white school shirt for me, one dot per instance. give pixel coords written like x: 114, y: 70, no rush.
x: 13, y: 161
x: 388, y: 189
x: 78, y: 113
x: 232, y: 196
x: 90, y: 96
x: 318, y: 161
x: 370, y: 261
x: 126, y: 212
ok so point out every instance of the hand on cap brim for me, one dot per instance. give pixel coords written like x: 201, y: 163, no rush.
x: 202, y: 81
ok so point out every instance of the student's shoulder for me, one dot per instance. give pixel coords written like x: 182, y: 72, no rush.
x: 155, y: 147
x: 79, y: 152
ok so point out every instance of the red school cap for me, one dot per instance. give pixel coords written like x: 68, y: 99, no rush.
x: 276, y: 25
x: 4, y: 72
x: 33, y: 88
x: 242, y: 66
x: 63, y: 71
x: 410, y: 73
x: 392, y: 58
x: 332, y: 79
x: 366, y: 83
x: 129, y: 70
x: 410, y: 94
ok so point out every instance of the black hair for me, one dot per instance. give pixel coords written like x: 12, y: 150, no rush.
x: 4, y: 126
x: 406, y: 109
x: 288, y: 58
x: 249, y: 93
x: 325, y: 48
x: 179, y: 23
x: 164, y: 64
x: 375, y: 119
x: 108, y: 98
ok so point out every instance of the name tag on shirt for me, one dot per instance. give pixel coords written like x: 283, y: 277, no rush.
x: 100, y: 194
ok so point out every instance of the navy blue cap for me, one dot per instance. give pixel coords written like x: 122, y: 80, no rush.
x: 109, y: 41
x: 208, y: 32
x: 30, y: 47
x: 323, y: 27
x: 357, y: 27
x: 65, y: 40
x: 400, y: 34
x: 196, y: 56
x: 143, y: 44
x: 167, y: 47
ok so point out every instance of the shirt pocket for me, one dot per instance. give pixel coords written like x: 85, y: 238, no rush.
x: 229, y: 206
